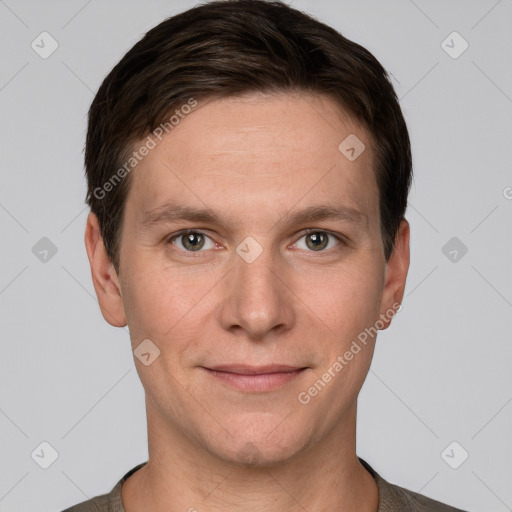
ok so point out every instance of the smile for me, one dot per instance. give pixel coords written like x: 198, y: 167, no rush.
x: 255, y: 379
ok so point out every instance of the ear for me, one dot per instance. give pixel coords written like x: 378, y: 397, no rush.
x: 104, y: 276
x: 397, y: 268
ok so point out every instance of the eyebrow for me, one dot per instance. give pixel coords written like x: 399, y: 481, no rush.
x: 169, y: 213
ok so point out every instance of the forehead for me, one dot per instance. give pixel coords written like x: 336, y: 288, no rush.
x: 245, y: 153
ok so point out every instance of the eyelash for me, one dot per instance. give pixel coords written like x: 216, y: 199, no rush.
x: 306, y: 232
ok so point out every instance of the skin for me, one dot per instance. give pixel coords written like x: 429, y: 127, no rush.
x: 253, y: 160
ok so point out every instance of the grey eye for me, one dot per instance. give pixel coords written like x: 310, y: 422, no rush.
x: 317, y: 241
x: 192, y: 241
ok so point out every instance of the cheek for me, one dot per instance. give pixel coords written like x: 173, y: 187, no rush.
x: 160, y: 303
x: 346, y: 299
x: 147, y: 296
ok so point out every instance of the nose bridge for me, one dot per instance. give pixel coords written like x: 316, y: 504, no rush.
x: 258, y: 301
x: 257, y: 277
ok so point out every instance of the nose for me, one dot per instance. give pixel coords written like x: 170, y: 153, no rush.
x: 258, y: 297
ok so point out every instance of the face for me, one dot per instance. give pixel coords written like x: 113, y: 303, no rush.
x: 280, y: 270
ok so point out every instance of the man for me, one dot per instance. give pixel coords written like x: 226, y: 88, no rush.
x: 248, y: 170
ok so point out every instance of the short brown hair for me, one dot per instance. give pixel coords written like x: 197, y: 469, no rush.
x: 227, y: 48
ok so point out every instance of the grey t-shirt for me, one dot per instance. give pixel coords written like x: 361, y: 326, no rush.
x: 391, y: 498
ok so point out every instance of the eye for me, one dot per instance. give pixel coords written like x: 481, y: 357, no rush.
x: 191, y: 241
x: 318, y: 241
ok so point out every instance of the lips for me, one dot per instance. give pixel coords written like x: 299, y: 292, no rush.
x: 254, y: 370
x: 254, y: 378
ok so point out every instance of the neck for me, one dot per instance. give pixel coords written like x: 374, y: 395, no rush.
x: 181, y: 475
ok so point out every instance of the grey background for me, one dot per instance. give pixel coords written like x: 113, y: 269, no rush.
x: 441, y: 373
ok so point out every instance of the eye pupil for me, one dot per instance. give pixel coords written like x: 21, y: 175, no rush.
x: 317, y: 240
x: 190, y: 241
x: 194, y: 241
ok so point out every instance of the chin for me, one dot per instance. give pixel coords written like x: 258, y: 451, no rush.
x: 258, y: 445
x: 253, y: 455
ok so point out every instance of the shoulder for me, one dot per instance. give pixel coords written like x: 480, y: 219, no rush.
x: 98, y: 504
x: 393, y: 498
x: 412, y: 501
x: 110, y: 502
